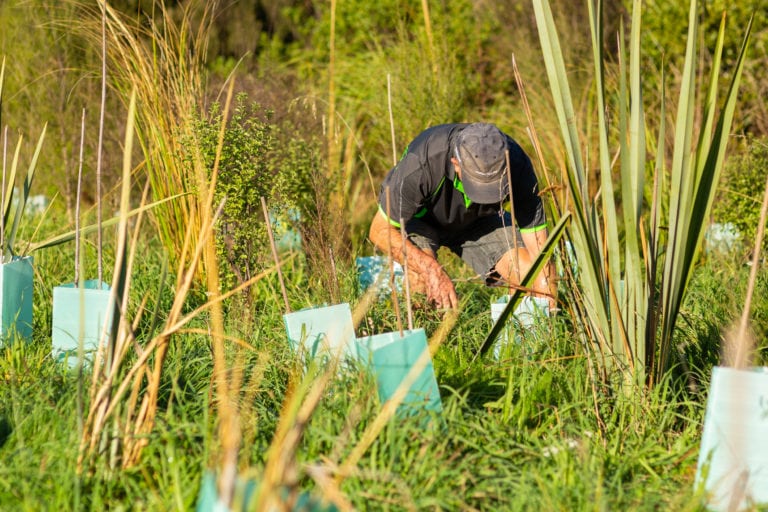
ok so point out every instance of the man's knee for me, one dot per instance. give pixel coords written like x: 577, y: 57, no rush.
x: 513, y: 265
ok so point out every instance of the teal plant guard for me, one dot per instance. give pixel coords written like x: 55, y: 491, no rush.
x: 391, y: 356
x: 325, y: 330
x: 16, y: 283
x: 287, y: 237
x: 80, y: 315
x: 528, y: 312
x: 374, y: 270
x: 733, y: 458
x: 722, y: 238
x: 246, y: 492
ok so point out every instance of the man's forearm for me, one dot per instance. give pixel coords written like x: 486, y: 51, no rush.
x: 383, y: 235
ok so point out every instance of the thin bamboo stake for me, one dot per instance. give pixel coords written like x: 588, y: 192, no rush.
x: 274, y: 254
x: 402, y: 224
x: 77, y: 202
x: 515, y: 257
x: 2, y: 202
x: 408, y: 304
x: 99, y: 244
x: 391, y: 118
x: 743, y: 344
x: 395, y: 302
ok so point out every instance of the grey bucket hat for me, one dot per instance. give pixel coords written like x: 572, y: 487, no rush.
x: 481, y: 152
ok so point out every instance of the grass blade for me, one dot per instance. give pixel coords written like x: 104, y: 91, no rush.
x: 517, y: 295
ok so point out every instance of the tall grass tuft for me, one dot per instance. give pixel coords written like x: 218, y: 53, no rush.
x: 162, y: 60
x: 126, y: 374
x: 635, y: 254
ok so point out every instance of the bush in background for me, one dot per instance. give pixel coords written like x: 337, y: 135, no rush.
x: 741, y: 191
x: 245, y: 175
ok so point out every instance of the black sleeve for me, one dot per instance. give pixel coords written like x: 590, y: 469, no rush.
x: 529, y: 208
x: 409, y: 187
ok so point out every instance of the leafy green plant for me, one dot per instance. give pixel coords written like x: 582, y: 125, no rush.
x: 246, y: 173
x: 632, y: 286
x: 664, y: 44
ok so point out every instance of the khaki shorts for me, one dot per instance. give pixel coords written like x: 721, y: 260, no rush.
x: 481, y: 244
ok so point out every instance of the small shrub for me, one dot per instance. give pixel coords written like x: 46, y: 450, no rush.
x: 245, y: 175
x: 262, y: 158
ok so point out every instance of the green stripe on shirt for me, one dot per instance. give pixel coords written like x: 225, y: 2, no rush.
x: 534, y: 229
x: 394, y: 223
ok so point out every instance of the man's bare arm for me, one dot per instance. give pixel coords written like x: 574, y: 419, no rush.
x: 440, y: 289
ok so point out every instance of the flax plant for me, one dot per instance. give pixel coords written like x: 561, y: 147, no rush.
x: 162, y: 60
x: 8, y: 231
x: 635, y: 254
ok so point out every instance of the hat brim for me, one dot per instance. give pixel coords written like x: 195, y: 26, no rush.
x: 486, y: 193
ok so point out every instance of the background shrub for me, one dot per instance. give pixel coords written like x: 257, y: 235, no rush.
x: 741, y: 191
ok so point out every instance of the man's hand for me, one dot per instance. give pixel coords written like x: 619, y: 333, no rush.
x: 440, y: 289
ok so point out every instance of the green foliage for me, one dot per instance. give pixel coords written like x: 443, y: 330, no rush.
x: 716, y: 301
x: 375, y: 42
x: 739, y: 197
x: 663, y: 41
x: 530, y: 431
x: 536, y: 430
x: 8, y: 229
x: 53, y: 75
x: 632, y: 287
x: 245, y: 174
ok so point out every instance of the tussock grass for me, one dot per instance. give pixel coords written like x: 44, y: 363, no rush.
x: 162, y: 63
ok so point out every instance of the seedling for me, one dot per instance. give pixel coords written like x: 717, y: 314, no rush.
x: 83, y: 310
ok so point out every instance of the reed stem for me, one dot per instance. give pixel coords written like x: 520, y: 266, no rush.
x: 275, y: 255
x: 743, y: 342
x: 395, y: 302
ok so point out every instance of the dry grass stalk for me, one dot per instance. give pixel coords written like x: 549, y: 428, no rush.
x: 101, y: 382
x: 391, y: 118
x: 281, y: 469
x: 515, y: 257
x: 534, y: 135
x: 389, y: 408
x: 430, y: 37
x: 273, y: 246
x: 110, y: 385
x: 739, y: 347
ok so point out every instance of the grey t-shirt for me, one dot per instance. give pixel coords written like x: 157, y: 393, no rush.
x: 424, y: 184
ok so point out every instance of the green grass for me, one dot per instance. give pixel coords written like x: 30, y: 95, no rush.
x: 533, y: 431
x: 536, y: 430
